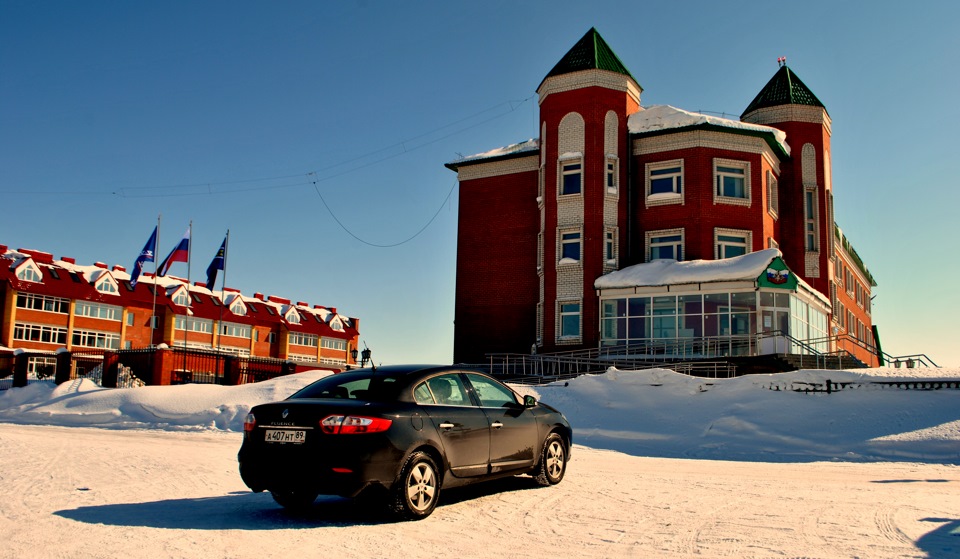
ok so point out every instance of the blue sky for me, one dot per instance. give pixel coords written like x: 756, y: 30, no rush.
x: 257, y: 117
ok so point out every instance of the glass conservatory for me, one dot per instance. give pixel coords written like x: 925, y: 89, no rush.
x: 748, y: 305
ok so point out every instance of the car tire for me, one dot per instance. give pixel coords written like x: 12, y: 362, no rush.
x: 553, y: 461
x: 414, y: 494
x: 294, y: 500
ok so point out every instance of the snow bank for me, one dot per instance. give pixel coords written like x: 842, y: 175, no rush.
x: 644, y: 413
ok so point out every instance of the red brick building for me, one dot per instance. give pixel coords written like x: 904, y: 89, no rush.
x: 610, y: 184
x: 47, y: 304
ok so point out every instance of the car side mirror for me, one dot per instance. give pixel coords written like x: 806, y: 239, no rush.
x: 529, y: 401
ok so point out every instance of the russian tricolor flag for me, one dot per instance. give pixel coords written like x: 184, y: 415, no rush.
x: 180, y: 253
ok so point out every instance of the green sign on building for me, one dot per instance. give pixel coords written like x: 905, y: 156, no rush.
x: 777, y: 275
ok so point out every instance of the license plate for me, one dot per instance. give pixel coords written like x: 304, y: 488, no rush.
x: 291, y: 436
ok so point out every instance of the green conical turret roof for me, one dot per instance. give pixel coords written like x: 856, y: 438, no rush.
x: 784, y: 88
x: 590, y: 53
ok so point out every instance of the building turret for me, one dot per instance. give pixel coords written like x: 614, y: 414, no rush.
x: 806, y: 196
x: 584, y: 104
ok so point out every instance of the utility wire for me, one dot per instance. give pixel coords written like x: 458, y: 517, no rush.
x: 407, y: 240
x: 399, y: 148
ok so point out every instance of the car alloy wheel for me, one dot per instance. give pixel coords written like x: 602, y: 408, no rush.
x: 553, y: 461
x: 415, y: 493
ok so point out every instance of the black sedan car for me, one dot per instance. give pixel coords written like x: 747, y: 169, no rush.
x: 405, y: 431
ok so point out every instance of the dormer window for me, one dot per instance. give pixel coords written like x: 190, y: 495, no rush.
x: 29, y: 272
x: 181, y: 298
x: 292, y: 316
x: 237, y: 307
x: 336, y: 325
x: 106, y: 284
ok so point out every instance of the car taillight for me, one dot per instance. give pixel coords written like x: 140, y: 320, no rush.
x: 249, y: 423
x: 353, y: 424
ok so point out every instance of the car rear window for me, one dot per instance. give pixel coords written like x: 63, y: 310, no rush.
x: 359, y: 385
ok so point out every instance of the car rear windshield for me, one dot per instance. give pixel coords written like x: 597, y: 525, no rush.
x: 363, y: 385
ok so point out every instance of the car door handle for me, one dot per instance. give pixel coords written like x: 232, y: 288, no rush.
x: 447, y: 426
x: 496, y: 424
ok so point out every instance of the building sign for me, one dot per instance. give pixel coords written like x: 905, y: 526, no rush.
x: 777, y: 275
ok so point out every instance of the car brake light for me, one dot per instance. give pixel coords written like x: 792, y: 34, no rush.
x: 353, y: 424
x: 249, y: 423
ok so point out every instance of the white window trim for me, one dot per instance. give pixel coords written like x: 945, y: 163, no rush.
x: 568, y: 159
x: 747, y: 187
x: 571, y: 338
x: 664, y: 198
x: 107, y: 279
x: 611, y: 191
x: 565, y: 261
x: 29, y: 266
x: 181, y: 292
x: 663, y: 233
x: 811, y: 193
x: 773, y: 195
x: 295, y: 314
x: 745, y: 233
x: 608, y: 262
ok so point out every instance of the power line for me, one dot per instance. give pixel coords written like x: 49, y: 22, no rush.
x: 407, y: 240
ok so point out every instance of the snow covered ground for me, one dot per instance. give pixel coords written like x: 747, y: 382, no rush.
x: 665, y: 466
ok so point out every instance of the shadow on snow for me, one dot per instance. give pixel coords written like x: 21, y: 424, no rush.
x: 257, y: 511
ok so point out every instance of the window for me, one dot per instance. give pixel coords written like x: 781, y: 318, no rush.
x: 571, y: 177
x: 665, y: 245
x: 38, y: 333
x: 665, y: 179
x: 235, y: 330
x: 445, y: 390
x: 491, y: 394
x: 29, y: 272
x: 569, y: 247
x: 612, y: 175
x: 182, y: 298
x: 272, y: 338
x: 609, y: 247
x: 569, y: 320
x: 43, y: 303
x: 131, y: 319
x: 333, y: 343
x: 97, y: 310
x: 106, y: 285
x: 300, y: 338
x: 810, y: 215
x: 193, y: 324
x: 292, y: 316
x: 732, y: 243
x: 89, y: 338
x: 732, y: 183
x: 773, y: 194
x: 237, y: 307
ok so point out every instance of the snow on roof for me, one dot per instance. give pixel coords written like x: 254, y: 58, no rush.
x: 531, y: 145
x: 671, y: 272
x: 169, y: 283
x: 665, y: 117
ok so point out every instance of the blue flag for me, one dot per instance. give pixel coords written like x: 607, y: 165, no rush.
x: 216, y: 264
x: 146, y: 255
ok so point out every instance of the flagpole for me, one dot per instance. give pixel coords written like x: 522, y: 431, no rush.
x: 153, y: 313
x: 223, y: 287
x: 186, y: 321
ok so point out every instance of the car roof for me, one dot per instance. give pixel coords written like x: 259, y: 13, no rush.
x: 396, y: 370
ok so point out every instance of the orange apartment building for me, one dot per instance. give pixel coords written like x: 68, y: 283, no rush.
x: 47, y: 304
